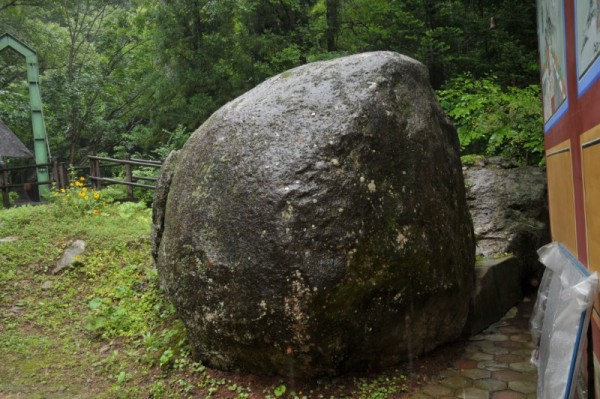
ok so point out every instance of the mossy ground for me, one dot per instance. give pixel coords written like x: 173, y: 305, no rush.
x: 103, y: 329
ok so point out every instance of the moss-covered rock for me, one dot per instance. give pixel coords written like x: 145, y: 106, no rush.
x: 318, y: 223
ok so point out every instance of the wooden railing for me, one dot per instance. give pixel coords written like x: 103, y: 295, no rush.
x: 59, y: 176
x: 130, y: 180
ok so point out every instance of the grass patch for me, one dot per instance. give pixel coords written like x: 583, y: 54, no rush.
x: 103, y: 329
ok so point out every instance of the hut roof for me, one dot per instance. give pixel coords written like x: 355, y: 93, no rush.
x: 10, y: 145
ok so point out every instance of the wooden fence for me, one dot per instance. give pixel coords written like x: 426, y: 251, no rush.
x: 30, y: 188
x: 130, y: 180
x: 60, y: 176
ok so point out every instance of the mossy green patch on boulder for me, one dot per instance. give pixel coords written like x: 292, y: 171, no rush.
x: 318, y: 223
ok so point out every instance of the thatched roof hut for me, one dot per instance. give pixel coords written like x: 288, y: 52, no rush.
x: 10, y: 145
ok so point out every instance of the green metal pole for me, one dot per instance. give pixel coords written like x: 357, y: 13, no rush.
x: 37, y: 122
x: 40, y: 145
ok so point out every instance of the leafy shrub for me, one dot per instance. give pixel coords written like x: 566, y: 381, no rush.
x: 495, y: 121
x: 12, y: 197
x: 78, y: 199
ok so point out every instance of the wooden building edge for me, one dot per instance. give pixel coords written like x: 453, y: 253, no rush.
x: 569, y: 43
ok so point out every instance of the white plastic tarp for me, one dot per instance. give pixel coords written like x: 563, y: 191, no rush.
x: 559, y: 320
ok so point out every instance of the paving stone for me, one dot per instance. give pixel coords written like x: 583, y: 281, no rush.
x: 480, y: 356
x: 521, y: 323
x: 508, y: 375
x: 477, y: 345
x: 472, y: 393
x: 448, y: 373
x: 420, y: 395
x: 436, y: 390
x: 496, y: 337
x: 478, y: 337
x: 510, y: 330
x: 494, y: 350
x: 492, y: 365
x: 512, y: 344
x: 520, y: 337
x: 490, y: 384
x: 522, y: 352
x: 457, y: 382
x: 475, y: 374
x: 522, y: 366
x: 525, y: 387
x: 530, y: 345
x: 509, y: 358
x: 499, y: 324
x: 463, y: 364
x: 511, y: 313
x: 507, y: 395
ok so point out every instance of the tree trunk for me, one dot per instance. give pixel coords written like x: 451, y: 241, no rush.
x: 333, y: 24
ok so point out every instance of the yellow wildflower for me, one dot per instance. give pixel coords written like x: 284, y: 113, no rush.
x: 95, y: 212
x: 79, y: 184
x: 62, y: 190
x: 81, y: 194
x: 82, y: 178
x: 96, y: 195
x: 84, y: 189
x: 86, y: 197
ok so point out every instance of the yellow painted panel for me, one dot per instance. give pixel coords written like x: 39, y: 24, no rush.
x: 590, y: 150
x: 561, y: 196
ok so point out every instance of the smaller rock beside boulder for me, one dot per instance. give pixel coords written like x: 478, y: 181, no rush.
x: 68, y: 258
x: 510, y: 216
x: 509, y: 209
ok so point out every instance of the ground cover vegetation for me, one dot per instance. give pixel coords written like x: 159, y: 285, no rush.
x: 102, y: 328
x: 137, y: 77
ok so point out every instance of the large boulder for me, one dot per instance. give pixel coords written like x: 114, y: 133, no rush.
x: 318, y: 223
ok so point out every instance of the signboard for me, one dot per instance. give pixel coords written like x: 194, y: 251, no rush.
x: 551, y: 33
x: 587, y: 22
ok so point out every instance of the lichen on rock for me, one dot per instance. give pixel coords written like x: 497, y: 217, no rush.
x: 318, y: 223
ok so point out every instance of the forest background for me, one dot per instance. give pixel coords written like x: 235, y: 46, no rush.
x: 138, y: 76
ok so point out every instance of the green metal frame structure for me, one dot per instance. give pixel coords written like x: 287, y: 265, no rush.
x: 40, y: 140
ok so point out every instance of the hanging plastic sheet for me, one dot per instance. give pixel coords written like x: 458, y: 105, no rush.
x: 559, y: 321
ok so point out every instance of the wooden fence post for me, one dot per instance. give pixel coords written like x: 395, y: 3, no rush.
x: 62, y: 175
x: 55, y: 174
x: 95, y: 173
x: 5, y: 194
x: 128, y: 178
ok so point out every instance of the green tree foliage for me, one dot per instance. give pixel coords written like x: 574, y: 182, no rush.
x: 94, y: 60
x: 495, y: 121
x: 126, y: 76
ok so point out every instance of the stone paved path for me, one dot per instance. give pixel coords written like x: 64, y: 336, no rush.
x: 494, y: 365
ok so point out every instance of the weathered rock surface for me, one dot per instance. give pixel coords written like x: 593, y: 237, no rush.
x: 510, y: 216
x: 509, y: 209
x: 318, y: 223
x: 69, y: 257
